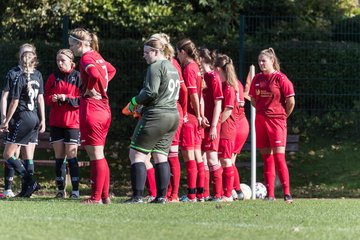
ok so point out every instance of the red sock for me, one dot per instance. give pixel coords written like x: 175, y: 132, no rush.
x: 191, y: 171
x: 269, y: 174
x: 200, y: 181
x: 228, y: 180
x: 98, y: 176
x: 283, y: 172
x: 236, y: 178
x: 207, y: 182
x: 216, y: 179
x: 151, y: 182
x: 175, y: 171
x: 105, y: 191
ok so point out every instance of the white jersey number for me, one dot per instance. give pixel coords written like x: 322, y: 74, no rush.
x: 106, y: 77
x: 174, y: 88
x: 32, y: 93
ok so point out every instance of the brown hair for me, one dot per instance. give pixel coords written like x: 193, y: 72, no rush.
x: 226, y: 64
x: 270, y: 52
x: 67, y: 52
x: 189, y: 47
x: 86, y: 37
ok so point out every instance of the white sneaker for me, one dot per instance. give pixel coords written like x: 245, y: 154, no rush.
x: 9, y: 193
x: 75, y: 195
x: 148, y: 199
x: 227, y: 199
x: 60, y: 194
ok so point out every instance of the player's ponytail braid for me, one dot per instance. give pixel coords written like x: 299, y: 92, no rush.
x: 226, y: 64
x: 189, y: 47
x: 28, y: 62
x: 270, y: 52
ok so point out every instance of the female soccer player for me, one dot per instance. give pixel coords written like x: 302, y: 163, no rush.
x: 175, y: 170
x: 156, y: 128
x: 213, y: 96
x: 228, y: 123
x: 11, y: 78
x: 95, y: 114
x: 242, y: 132
x: 22, y: 122
x: 62, y: 94
x: 225, y: 66
x: 273, y: 96
x: 191, y: 137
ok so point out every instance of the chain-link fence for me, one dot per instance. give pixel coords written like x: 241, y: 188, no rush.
x: 321, y: 58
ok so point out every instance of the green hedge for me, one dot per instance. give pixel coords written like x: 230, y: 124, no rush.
x: 325, y: 74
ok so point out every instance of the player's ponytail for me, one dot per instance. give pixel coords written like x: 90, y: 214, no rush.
x: 270, y: 52
x: 28, y: 62
x: 94, y: 44
x: 162, y: 43
x: 189, y: 48
x: 226, y: 64
x: 85, y: 37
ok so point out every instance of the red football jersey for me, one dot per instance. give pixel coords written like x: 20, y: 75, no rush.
x: 270, y: 92
x: 239, y: 110
x: 95, y: 73
x: 228, y: 128
x: 212, y: 92
x: 63, y: 114
x: 193, y: 82
x: 183, y: 93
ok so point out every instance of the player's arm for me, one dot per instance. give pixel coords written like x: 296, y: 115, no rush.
x: 204, y: 121
x: 253, y: 102
x: 289, y: 105
x: 183, y: 97
x: 111, y: 71
x: 3, y: 105
x: 215, y: 118
x: 195, y: 102
x: 50, y: 97
x: 150, y: 90
x: 10, y: 113
x: 41, y: 105
x: 226, y: 114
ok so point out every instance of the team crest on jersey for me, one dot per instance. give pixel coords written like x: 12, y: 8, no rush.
x: 258, y: 92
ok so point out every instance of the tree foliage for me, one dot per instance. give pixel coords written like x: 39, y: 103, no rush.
x: 209, y: 19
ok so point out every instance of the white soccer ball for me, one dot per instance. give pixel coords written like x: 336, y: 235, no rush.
x: 246, y: 191
x: 260, y: 190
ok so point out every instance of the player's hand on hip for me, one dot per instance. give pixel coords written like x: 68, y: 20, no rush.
x: 93, y: 94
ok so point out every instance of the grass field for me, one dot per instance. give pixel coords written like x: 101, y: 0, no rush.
x: 324, y: 181
x: 44, y: 218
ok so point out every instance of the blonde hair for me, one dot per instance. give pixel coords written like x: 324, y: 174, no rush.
x: 68, y: 53
x: 28, y: 61
x: 226, y: 64
x: 22, y: 50
x: 168, y: 50
x: 86, y: 37
x: 270, y: 53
